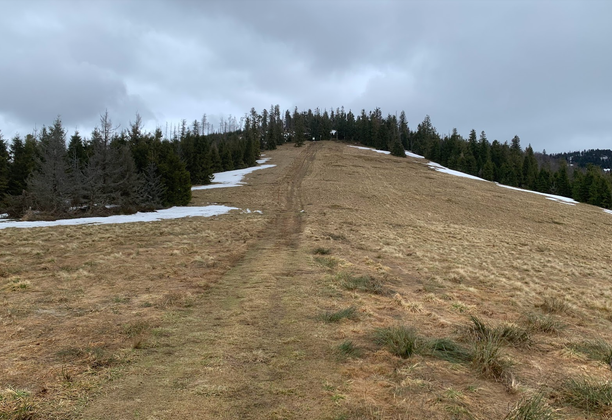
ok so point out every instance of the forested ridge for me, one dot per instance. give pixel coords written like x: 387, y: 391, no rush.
x: 48, y: 174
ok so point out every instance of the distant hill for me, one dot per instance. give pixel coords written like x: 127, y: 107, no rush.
x: 597, y: 157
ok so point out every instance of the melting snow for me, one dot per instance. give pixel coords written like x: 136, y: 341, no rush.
x: 557, y: 198
x: 414, y: 155
x: 232, y: 178
x: 165, y: 214
x: 440, y: 168
x: 437, y: 167
x: 374, y: 150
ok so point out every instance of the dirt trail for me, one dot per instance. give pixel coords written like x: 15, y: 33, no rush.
x: 249, y: 350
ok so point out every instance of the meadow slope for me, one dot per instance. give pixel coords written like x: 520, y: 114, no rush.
x: 308, y: 310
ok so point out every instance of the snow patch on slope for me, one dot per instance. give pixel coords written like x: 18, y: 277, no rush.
x: 232, y: 178
x: 385, y: 152
x: 154, y: 216
x: 437, y: 167
x: 557, y: 198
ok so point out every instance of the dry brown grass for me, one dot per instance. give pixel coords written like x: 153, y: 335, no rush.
x: 217, y: 318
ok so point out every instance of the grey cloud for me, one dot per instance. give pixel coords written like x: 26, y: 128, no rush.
x: 537, y: 69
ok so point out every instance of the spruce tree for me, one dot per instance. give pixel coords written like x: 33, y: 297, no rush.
x: 562, y: 181
x: 23, y: 162
x: 4, y: 167
x: 174, y: 176
x: 217, y: 165
x: 49, y: 183
x: 298, y: 121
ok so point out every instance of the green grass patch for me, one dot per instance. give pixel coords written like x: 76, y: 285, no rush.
x: 349, y: 313
x: 321, y: 251
x: 449, y: 350
x: 488, y: 359
x: 348, y: 349
x: 400, y: 340
x: 554, y: 305
x: 363, y: 283
x: 329, y: 262
x: 587, y: 393
x: 544, y: 323
x: 531, y: 408
x: 595, y: 350
x: 505, y: 334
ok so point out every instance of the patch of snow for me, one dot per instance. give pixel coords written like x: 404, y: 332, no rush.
x: 608, y: 211
x: 557, y: 198
x: 165, y: 214
x: 249, y: 211
x: 437, y: 167
x: 262, y: 161
x: 374, y: 150
x: 3, y: 215
x: 230, y: 178
x: 414, y: 155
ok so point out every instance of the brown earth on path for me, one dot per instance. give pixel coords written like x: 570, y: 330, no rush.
x: 276, y: 315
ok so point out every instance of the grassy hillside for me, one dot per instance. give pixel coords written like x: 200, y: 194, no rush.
x: 371, y: 287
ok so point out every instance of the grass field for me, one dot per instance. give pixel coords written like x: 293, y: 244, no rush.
x: 370, y: 287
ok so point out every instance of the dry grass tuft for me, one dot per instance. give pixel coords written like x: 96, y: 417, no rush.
x: 531, y: 408
x: 399, y: 340
x: 587, y: 393
x: 555, y: 305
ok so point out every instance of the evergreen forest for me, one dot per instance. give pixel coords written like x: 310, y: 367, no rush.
x: 48, y: 174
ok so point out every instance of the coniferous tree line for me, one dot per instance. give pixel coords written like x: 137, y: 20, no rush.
x: 132, y: 169
x: 505, y: 163
x: 597, y: 157
x: 115, y: 171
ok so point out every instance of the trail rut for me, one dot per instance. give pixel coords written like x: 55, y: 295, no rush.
x: 247, y: 351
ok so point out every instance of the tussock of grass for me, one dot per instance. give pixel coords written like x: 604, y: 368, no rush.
x: 588, y: 393
x: 595, y: 350
x: 513, y: 334
x: 400, y: 340
x: 555, y: 305
x: 531, y: 408
x: 449, y: 350
x: 543, y: 323
x: 488, y: 360
x: 321, y: 251
x: 363, y: 283
x: 329, y: 262
x: 348, y: 349
x: 505, y: 334
x: 349, y: 313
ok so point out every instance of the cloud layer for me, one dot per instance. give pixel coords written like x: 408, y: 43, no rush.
x: 538, y: 69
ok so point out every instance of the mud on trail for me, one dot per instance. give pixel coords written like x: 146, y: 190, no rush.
x: 249, y: 349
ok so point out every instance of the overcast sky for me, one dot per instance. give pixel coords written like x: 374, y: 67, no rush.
x: 541, y: 70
